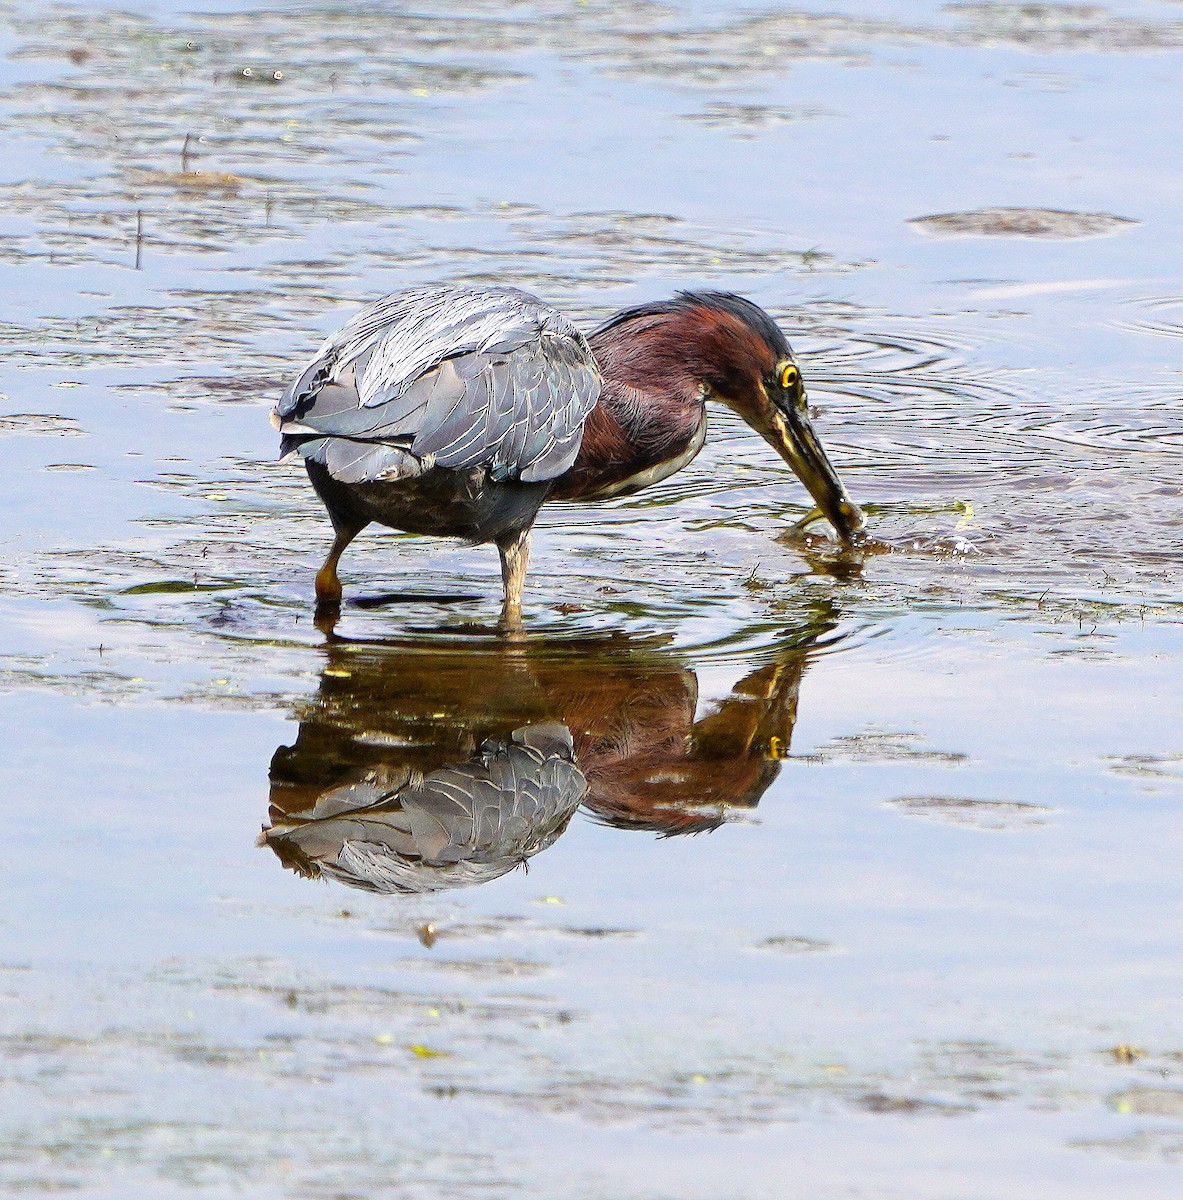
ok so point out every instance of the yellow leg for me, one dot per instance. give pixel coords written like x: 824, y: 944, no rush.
x: 328, y: 586
x: 515, y: 558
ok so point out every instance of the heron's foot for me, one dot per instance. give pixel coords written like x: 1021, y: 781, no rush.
x: 328, y: 587
x: 328, y: 599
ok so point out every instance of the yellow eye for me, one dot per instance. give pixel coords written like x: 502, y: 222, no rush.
x: 789, y: 375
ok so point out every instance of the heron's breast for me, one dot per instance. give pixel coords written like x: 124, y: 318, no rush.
x: 652, y: 473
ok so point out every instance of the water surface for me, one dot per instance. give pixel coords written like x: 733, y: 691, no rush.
x: 876, y: 889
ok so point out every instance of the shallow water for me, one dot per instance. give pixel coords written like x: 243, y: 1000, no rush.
x: 926, y: 942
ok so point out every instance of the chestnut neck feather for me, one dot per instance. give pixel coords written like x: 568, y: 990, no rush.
x: 659, y: 366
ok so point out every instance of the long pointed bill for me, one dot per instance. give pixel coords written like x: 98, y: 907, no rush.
x: 793, y: 437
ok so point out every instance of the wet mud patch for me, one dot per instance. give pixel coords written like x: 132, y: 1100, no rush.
x: 749, y: 120
x: 794, y: 944
x: 188, y: 1154
x: 503, y: 928
x: 882, y: 1103
x: 994, y: 815
x: 91, y: 685
x: 1022, y: 222
x: 1155, y: 771
x: 255, y: 386
x: 889, y: 746
x: 480, y: 968
x: 1057, y: 28
x: 40, y: 425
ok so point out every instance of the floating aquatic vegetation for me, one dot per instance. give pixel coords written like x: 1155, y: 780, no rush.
x: 40, y: 425
x: 1023, y: 222
x: 979, y: 814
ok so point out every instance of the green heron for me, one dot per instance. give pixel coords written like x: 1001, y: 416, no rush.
x: 458, y: 411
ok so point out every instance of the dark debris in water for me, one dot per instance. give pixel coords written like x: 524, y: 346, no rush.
x: 508, y: 927
x: 881, y: 1102
x: 789, y: 944
x: 884, y: 746
x: 1023, y: 222
x: 977, y: 814
x: 40, y: 425
x: 748, y: 120
x: 1154, y: 770
x: 1061, y: 27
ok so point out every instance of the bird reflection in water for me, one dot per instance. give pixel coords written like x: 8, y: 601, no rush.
x: 418, y: 768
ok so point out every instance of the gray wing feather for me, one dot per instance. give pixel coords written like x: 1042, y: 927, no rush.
x: 463, y: 377
x: 458, y: 825
x: 353, y: 461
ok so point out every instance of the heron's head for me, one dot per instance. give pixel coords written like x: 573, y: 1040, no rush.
x: 747, y: 364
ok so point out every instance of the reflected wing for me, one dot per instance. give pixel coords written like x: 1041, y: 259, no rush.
x: 451, y: 377
x: 461, y: 824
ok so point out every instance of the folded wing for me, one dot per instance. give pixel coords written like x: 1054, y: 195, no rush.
x: 448, y: 377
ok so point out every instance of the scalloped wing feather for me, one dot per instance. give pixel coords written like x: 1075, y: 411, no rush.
x: 470, y: 377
